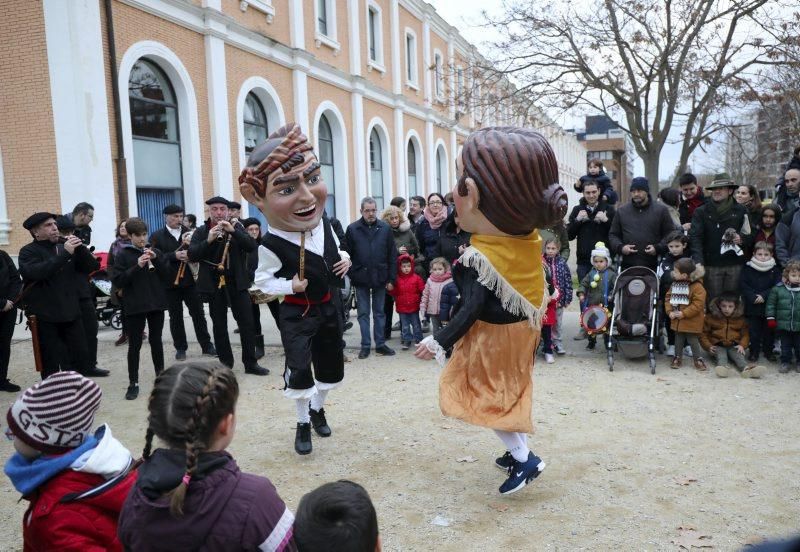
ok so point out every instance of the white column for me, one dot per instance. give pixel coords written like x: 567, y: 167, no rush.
x: 216, y: 75
x: 400, y: 152
x: 5, y: 223
x: 451, y: 68
x: 426, y: 57
x: 430, y: 147
x: 360, y: 144
x: 453, y: 153
x: 354, y: 30
x: 296, y: 25
x: 397, y: 48
x: 80, y: 110
x: 300, y: 87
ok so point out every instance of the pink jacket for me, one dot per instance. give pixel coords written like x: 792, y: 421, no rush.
x: 432, y: 293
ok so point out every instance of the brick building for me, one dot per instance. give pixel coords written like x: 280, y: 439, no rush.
x: 133, y: 104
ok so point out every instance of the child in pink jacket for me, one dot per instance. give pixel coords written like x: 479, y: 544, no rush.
x: 432, y: 294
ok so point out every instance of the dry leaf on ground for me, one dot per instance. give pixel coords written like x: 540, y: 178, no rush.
x: 690, y: 538
x: 467, y: 459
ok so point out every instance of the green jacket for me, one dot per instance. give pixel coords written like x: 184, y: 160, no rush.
x: 783, y: 304
x: 603, y: 292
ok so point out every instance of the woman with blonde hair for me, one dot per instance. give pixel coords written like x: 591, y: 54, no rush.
x: 406, y: 243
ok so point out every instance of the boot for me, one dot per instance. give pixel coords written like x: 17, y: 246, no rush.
x: 302, y: 439
x: 319, y: 422
x: 259, y: 347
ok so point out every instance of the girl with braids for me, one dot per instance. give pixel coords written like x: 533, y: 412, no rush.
x: 191, y: 494
x: 507, y: 188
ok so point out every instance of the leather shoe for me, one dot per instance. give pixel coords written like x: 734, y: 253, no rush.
x: 210, y: 350
x: 180, y: 355
x: 384, y: 350
x: 256, y: 370
x: 96, y: 373
x: 302, y: 439
x: 319, y: 423
x: 6, y: 385
x: 363, y: 353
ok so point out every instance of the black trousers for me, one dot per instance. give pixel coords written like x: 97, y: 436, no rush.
x: 90, y: 328
x: 155, y: 325
x: 241, y: 306
x: 314, y: 338
x: 7, y: 321
x: 762, y: 338
x: 60, y: 340
x: 176, y: 298
x: 388, y: 310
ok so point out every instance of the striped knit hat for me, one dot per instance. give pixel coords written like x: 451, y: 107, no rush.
x: 56, y: 414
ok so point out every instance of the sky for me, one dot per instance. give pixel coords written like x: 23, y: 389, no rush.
x: 466, y: 16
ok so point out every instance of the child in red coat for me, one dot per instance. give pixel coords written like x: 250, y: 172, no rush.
x: 407, y: 293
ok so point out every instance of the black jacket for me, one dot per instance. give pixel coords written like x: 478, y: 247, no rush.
x: 372, y: 253
x: 603, y: 185
x: 142, y: 289
x: 590, y: 231
x: 168, y: 245
x: 753, y: 282
x: 450, y: 241
x: 648, y: 225
x: 10, y: 282
x: 210, y: 254
x: 708, y: 226
x: 54, y: 274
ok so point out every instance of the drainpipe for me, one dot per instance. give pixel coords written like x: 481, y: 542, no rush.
x: 119, y: 162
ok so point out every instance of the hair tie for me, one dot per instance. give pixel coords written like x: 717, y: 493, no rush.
x: 186, y: 478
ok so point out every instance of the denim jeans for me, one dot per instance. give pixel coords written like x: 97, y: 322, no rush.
x: 376, y: 297
x: 410, y: 327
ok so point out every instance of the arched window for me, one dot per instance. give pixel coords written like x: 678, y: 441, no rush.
x: 156, y: 141
x: 256, y: 128
x: 412, y: 169
x: 376, y: 168
x: 441, y: 175
x: 326, y: 164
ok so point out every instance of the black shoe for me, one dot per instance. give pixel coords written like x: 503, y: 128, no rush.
x: 132, y: 392
x: 259, y: 346
x: 504, y: 462
x: 348, y: 325
x: 180, y: 355
x: 363, y: 353
x: 256, y: 370
x: 752, y: 358
x: 302, y: 439
x: 384, y: 350
x: 319, y: 422
x: 210, y: 350
x: 6, y: 385
x: 96, y: 373
x: 772, y: 357
x: 426, y: 326
x: 404, y: 345
x: 591, y: 344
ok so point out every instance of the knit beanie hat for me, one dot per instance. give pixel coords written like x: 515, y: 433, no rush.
x: 640, y: 183
x: 600, y: 250
x: 55, y: 415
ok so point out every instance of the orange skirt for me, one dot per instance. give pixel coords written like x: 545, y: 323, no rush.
x: 488, y: 380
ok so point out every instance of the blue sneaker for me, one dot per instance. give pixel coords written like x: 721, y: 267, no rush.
x: 504, y: 462
x: 522, y: 473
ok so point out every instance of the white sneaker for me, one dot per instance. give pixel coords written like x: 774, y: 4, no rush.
x: 671, y: 350
x: 687, y: 351
x: 560, y: 349
x: 549, y: 358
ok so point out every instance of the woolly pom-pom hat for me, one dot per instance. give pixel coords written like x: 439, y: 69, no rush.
x: 600, y: 250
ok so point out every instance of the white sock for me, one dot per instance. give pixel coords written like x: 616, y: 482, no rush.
x: 302, y: 411
x: 516, y: 444
x: 318, y: 400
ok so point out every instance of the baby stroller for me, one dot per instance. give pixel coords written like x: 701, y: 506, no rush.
x: 107, y: 311
x: 634, y: 321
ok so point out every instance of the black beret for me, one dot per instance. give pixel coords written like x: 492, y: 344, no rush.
x: 218, y: 199
x: 250, y: 221
x: 171, y: 209
x: 65, y: 224
x: 234, y: 205
x: 36, y: 219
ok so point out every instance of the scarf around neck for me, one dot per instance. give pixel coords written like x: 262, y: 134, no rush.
x: 725, y: 206
x: 439, y: 278
x: 435, y: 220
x: 761, y: 266
x: 511, y: 267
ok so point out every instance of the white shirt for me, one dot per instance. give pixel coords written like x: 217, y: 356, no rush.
x: 269, y: 263
x: 176, y: 233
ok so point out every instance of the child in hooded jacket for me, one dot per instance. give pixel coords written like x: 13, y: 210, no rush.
x: 562, y: 280
x: 677, y: 248
x: 597, y: 287
x: 759, y: 276
x: 440, y: 276
x: 685, y: 305
x: 783, y: 315
x: 407, y: 292
x: 596, y: 173
x: 76, y: 480
x: 725, y: 336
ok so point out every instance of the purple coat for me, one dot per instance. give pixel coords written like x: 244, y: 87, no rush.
x: 225, y: 509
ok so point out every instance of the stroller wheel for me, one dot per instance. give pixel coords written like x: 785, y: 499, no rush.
x: 115, y: 321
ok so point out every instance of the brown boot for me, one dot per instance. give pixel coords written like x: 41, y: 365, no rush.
x: 699, y: 365
x: 677, y: 362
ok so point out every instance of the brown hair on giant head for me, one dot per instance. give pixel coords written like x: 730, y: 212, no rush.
x: 516, y: 173
x: 283, y: 149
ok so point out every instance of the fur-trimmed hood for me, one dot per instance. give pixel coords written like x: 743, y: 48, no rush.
x: 405, y: 226
x: 714, y: 310
x: 695, y: 276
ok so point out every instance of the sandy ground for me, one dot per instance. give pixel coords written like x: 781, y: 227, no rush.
x: 631, y: 457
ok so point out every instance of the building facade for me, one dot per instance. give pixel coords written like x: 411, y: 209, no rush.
x: 605, y: 140
x: 134, y: 104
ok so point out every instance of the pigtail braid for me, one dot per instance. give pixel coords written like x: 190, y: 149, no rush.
x: 148, y: 443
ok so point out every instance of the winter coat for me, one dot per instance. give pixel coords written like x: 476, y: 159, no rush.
x: 432, y: 295
x: 559, y: 232
x: 603, y: 182
x: 640, y: 226
x: 88, y: 523
x: 787, y: 202
x: 726, y: 331
x: 562, y: 278
x: 224, y: 509
x: 708, y: 226
x: 143, y: 290
x: 589, y: 231
x: 550, y: 314
x: 165, y: 242
x: 372, y: 252
x: 428, y: 239
x: 665, y: 269
x: 603, y: 292
x: 783, y: 305
x: 687, y: 207
x: 404, y: 236
x: 450, y: 239
x: 407, y: 288
x: 770, y: 238
x: 210, y: 254
x: 787, y: 238
x: 10, y: 282
x: 753, y: 282
x: 448, y: 301
x: 694, y: 312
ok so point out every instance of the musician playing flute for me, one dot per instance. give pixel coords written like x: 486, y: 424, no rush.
x: 300, y: 259
x: 50, y: 268
x: 173, y: 241
x: 221, y: 246
x: 140, y: 271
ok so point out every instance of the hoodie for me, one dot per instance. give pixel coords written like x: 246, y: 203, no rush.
x: 407, y: 291
x: 691, y: 303
x: 75, y: 498
x: 726, y: 331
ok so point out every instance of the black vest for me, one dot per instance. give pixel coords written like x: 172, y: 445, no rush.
x: 318, y: 270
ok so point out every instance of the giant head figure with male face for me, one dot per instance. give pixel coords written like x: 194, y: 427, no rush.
x: 283, y: 180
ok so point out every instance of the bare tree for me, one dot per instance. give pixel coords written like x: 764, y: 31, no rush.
x: 663, y: 66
